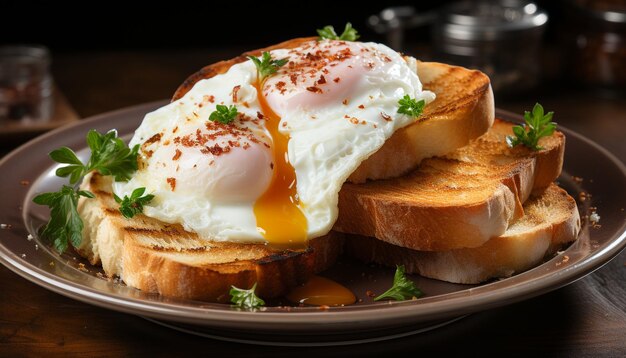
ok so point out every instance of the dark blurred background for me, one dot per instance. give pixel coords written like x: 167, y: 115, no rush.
x: 228, y: 28
x: 118, y: 25
x: 108, y: 55
x: 115, y: 25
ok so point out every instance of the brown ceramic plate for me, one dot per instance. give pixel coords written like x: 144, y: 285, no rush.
x: 28, y: 171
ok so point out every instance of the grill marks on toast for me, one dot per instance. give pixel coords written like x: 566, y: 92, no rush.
x: 164, y: 258
x: 449, y: 97
x: 462, y: 199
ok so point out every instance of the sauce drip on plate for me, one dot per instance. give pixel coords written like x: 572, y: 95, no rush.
x: 320, y: 291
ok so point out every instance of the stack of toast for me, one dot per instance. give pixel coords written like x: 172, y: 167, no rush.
x: 446, y: 197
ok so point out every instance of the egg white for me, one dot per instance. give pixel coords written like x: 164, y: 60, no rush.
x: 325, y: 147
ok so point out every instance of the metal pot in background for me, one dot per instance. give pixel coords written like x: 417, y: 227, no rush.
x: 501, y: 38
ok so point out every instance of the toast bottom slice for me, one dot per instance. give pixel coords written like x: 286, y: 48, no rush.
x: 161, y: 258
x: 551, y: 220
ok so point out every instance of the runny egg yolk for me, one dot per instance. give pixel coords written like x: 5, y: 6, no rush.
x: 318, y: 77
x: 277, y: 211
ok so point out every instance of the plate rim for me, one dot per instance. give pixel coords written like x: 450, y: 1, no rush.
x: 342, y: 315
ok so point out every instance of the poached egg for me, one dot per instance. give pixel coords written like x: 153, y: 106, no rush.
x: 272, y: 175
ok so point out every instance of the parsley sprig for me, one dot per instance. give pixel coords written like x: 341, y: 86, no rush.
x: 133, y: 205
x: 65, y: 224
x: 266, y: 66
x: 537, y: 125
x: 328, y: 32
x: 223, y: 114
x: 245, y: 298
x: 109, y: 156
x: 411, y: 106
x: 402, y: 289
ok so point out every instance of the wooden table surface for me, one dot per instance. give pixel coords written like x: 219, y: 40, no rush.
x: 586, y: 318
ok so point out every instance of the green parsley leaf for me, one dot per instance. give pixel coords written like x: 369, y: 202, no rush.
x: 410, y: 106
x: 266, y: 66
x: 245, y: 298
x: 223, y: 114
x: 65, y: 224
x: 402, y: 289
x: 328, y: 32
x: 133, y: 205
x: 109, y: 156
x: 537, y: 125
x: 75, y: 170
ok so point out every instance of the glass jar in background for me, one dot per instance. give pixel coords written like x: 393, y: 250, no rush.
x: 25, y: 84
x: 501, y: 38
x: 597, y: 40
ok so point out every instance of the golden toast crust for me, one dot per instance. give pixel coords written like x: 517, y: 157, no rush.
x: 457, y: 201
x: 551, y: 220
x: 164, y: 258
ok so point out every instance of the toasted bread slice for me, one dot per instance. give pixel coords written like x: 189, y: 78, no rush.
x: 551, y: 220
x: 457, y: 201
x: 463, y: 110
x: 163, y: 258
